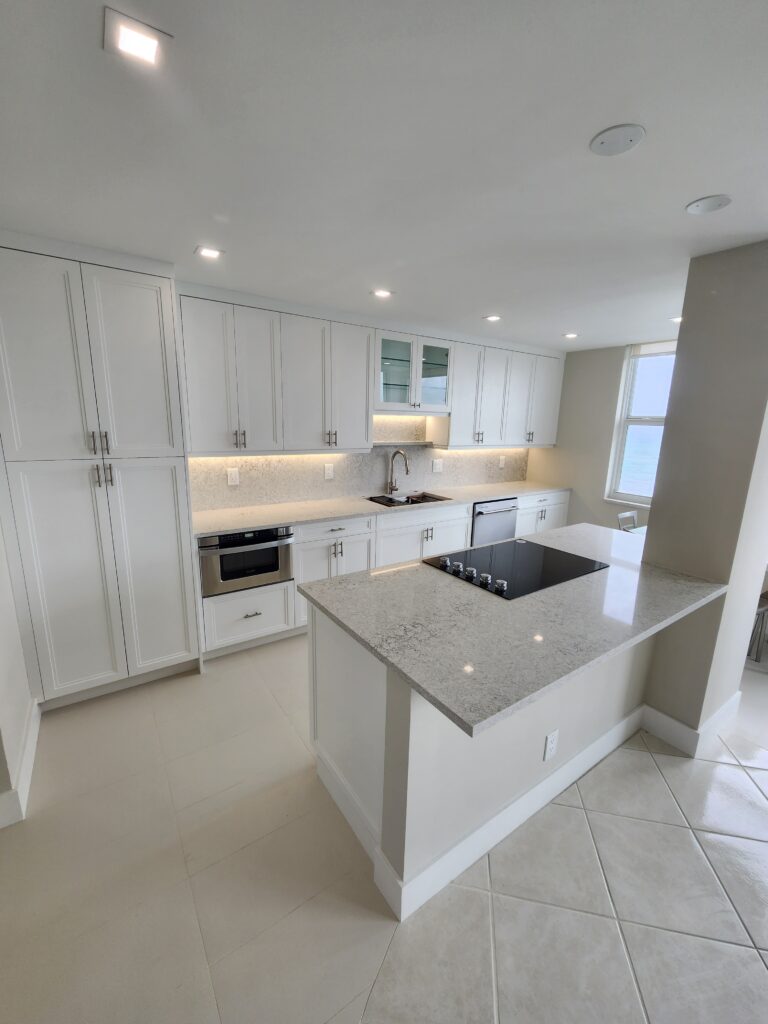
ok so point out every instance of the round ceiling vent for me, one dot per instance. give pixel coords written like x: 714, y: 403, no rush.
x: 707, y: 204
x: 618, y: 139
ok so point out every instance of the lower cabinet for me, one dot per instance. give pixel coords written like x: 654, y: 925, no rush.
x: 325, y: 559
x: 247, y: 614
x: 106, y: 554
x: 401, y: 541
x: 538, y: 512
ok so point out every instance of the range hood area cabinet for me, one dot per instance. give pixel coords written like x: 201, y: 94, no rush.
x: 260, y: 381
x: 499, y: 399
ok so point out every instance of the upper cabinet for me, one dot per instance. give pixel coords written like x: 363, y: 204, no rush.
x: 351, y: 355
x: 520, y: 377
x: 545, y: 400
x: 306, y: 383
x: 77, y: 345
x: 412, y: 373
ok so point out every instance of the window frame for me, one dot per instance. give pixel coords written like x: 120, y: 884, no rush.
x: 624, y: 420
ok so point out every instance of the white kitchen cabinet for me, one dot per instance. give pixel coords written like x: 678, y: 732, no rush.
x: 554, y: 516
x: 445, y: 537
x: 324, y: 559
x: 133, y: 351
x: 351, y: 352
x: 466, y: 381
x: 538, y: 512
x: 148, y: 509
x: 355, y: 554
x: 493, y: 389
x: 399, y: 545
x: 520, y: 373
x: 421, y: 535
x: 259, y: 389
x: 545, y: 400
x: 209, y: 349
x: 412, y: 373
x: 527, y: 521
x: 48, y: 404
x: 65, y: 538
x: 246, y: 615
x: 306, y: 388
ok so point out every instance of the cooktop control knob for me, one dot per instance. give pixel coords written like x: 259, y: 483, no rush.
x: 485, y: 579
x: 445, y: 562
x: 458, y: 568
x: 470, y: 573
x: 501, y: 586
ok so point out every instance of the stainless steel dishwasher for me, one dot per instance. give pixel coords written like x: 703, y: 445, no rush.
x: 493, y: 521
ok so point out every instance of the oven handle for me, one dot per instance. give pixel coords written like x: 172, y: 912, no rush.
x: 246, y: 547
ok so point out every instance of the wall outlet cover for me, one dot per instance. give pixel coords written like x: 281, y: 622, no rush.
x: 502, y: 460
x: 550, y: 745
x: 437, y: 465
x: 329, y: 471
x: 233, y: 477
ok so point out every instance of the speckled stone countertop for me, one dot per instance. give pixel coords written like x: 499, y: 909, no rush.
x: 293, y: 513
x: 477, y: 657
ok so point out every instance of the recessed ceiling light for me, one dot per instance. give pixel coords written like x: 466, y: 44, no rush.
x: 675, y: 319
x: 492, y: 318
x: 708, y: 204
x: 382, y: 293
x: 132, y: 38
x: 208, y: 252
x: 570, y: 336
x: 620, y: 138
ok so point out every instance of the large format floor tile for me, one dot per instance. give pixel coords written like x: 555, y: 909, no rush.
x: 742, y: 866
x: 552, y: 858
x: 717, y: 797
x: 750, y: 752
x: 559, y: 966
x: 760, y: 778
x: 310, y: 965
x: 659, y: 876
x: 439, y: 965
x: 689, y: 980
x: 711, y: 748
x: 628, y: 782
x: 476, y: 876
x: 570, y: 797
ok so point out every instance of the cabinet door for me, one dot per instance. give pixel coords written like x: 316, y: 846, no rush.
x: 351, y: 354
x: 433, y: 368
x: 209, y: 351
x: 492, y: 396
x: 133, y: 347
x: 314, y: 560
x: 394, y: 387
x: 47, y: 400
x: 306, y: 389
x: 442, y: 538
x: 554, y: 517
x: 403, y: 545
x: 527, y: 521
x: 150, y: 527
x: 62, y: 517
x: 355, y: 554
x: 465, y: 393
x: 246, y: 615
x: 259, y: 391
x: 518, y: 403
x: 545, y: 399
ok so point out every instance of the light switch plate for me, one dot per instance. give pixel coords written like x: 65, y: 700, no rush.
x: 502, y: 460
x: 329, y: 471
x: 233, y: 477
x: 550, y: 745
x: 437, y: 465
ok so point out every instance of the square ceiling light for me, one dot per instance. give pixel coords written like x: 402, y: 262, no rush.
x: 133, y: 39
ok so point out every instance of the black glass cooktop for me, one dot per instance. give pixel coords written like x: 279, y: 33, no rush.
x: 514, y: 568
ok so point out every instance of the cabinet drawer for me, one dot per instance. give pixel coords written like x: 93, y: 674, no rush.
x: 428, y: 515
x: 547, y: 498
x: 247, y: 614
x: 333, y: 529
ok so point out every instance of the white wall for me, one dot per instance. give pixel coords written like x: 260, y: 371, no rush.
x: 584, y: 436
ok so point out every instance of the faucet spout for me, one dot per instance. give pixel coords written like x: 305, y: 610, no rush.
x: 392, y: 484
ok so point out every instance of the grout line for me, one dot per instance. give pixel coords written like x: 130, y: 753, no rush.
x: 344, y: 1007
x: 494, y: 965
x: 555, y: 906
x: 386, y: 953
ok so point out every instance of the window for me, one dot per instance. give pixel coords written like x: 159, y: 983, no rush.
x: 640, y: 422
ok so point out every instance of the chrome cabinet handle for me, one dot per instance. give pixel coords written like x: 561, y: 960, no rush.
x: 245, y: 443
x: 98, y: 474
x: 335, y: 439
x: 105, y: 443
x: 237, y: 438
x: 335, y: 551
x: 94, y: 446
x: 328, y: 438
x: 341, y: 548
x: 109, y: 476
x: 251, y: 615
x: 336, y: 529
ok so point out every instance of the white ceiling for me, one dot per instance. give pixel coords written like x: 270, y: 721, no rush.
x: 436, y: 147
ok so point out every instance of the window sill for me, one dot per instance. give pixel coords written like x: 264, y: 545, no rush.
x: 627, y: 501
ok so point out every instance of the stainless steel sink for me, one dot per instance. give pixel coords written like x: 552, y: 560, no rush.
x: 420, y: 498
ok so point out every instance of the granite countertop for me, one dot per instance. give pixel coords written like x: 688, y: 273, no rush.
x: 476, y: 657
x: 293, y: 513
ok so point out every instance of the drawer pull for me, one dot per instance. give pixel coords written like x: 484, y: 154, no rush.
x: 251, y: 615
x: 336, y: 529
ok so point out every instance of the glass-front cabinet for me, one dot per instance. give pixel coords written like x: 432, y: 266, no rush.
x: 412, y: 373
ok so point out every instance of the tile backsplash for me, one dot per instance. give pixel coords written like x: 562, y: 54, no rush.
x: 271, y: 478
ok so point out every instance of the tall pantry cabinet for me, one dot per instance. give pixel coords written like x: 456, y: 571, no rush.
x: 90, y: 423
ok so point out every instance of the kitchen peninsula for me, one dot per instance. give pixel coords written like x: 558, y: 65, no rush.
x: 432, y: 700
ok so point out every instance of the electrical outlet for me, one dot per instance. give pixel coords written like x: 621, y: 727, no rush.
x: 329, y: 471
x: 502, y: 460
x: 550, y: 745
x: 437, y: 465
x: 233, y: 477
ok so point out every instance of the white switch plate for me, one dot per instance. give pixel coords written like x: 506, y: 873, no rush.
x: 233, y: 477
x: 502, y: 460
x: 329, y: 471
x: 437, y: 465
x: 550, y: 745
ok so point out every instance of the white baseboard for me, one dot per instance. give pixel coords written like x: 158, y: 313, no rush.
x: 348, y: 804
x: 683, y: 736
x: 13, y: 803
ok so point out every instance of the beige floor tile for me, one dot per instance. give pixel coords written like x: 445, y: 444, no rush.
x: 742, y: 866
x: 761, y: 778
x: 146, y: 966
x: 689, y: 980
x: 311, y: 964
x: 551, y: 857
x: 749, y: 751
x: 711, y: 748
x: 439, y: 965
x: 243, y: 895
x: 764, y: 955
x: 224, y: 823
x: 717, y: 797
x: 91, y: 744
x: 476, y: 876
x: 556, y: 965
x: 352, y: 1012
x: 570, y: 797
x: 635, y: 742
x: 627, y: 782
x: 659, y: 876
x: 263, y: 756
